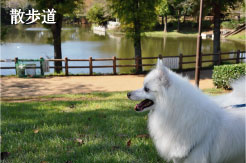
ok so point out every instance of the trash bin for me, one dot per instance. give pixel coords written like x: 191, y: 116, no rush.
x: 20, y: 70
x: 29, y: 67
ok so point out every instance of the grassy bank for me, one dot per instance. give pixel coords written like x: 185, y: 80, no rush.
x: 185, y: 33
x: 97, y: 127
x: 171, y: 34
x: 241, y: 36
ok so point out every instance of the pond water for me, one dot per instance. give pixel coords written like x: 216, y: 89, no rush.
x: 79, y: 42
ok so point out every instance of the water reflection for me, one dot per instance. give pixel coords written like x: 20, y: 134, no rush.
x: 79, y: 43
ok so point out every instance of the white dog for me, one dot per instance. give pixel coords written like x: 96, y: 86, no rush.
x: 186, y: 125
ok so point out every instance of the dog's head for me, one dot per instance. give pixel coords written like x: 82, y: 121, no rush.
x: 155, y: 83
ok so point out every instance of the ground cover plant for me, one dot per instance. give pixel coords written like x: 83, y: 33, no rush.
x: 96, y: 127
x: 223, y: 75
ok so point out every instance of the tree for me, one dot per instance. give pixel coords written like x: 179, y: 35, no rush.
x: 190, y: 7
x: 135, y: 16
x: 163, y: 9
x: 61, y: 8
x: 97, y: 15
x: 177, y: 8
x: 219, y: 6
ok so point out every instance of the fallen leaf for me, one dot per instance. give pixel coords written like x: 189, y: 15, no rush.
x: 36, y: 131
x: 143, y: 136
x: 79, y: 141
x: 43, y: 162
x: 129, y: 142
x: 4, y: 155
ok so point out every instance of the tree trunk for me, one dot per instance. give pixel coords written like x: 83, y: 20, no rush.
x: 165, y: 24
x: 138, y: 54
x: 56, y: 32
x: 137, y: 46
x: 162, y: 20
x: 216, y: 42
x: 137, y: 40
x: 178, y: 21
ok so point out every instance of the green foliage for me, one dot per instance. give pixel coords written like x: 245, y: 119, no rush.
x: 62, y: 7
x: 4, y: 31
x: 97, y: 15
x: 163, y: 8
x: 135, y: 16
x: 190, y: 7
x: 225, y: 74
x: 233, y: 23
x: 225, y: 5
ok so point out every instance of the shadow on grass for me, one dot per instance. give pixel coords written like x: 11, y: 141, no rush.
x: 103, y: 128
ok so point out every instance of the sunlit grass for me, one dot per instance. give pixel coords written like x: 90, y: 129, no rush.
x: 240, y: 36
x: 82, y: 128
x: 173, y: 33
x: 52, y: 130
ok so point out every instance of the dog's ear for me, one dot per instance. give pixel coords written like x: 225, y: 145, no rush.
x: 163, y: 73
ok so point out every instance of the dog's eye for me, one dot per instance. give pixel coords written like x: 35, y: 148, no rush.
x: 146, y: 89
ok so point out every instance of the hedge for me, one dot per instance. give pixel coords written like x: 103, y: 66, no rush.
x: 223, y: 75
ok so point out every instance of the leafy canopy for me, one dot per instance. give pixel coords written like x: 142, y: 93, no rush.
x: 135, y: 15
x: 163, y: 8
x: 61, y: 6
x: 97, y: 14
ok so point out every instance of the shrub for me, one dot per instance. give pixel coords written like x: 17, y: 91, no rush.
x: 225, y: 74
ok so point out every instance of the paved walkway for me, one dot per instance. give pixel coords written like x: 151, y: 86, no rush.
x: 26, y: 87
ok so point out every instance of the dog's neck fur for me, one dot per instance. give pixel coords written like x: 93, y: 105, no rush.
x: 168, y: 114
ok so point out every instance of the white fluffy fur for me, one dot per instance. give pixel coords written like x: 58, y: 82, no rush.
x: 186, y: 125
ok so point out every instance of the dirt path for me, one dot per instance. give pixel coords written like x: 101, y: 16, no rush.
x: 21, y: 87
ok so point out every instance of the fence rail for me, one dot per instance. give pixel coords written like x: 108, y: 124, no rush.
x: 114, y: 60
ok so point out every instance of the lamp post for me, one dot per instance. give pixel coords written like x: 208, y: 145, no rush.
x: 198, y: 48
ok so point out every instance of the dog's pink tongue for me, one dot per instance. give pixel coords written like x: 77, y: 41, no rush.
x: 137, y: 108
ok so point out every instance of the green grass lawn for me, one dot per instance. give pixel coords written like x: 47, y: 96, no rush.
x: 78, y: 128
x: 85, y: 128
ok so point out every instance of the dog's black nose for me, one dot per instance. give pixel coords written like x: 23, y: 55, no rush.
x: 129, y: 94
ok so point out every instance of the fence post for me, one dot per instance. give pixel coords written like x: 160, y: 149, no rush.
x: 16, y: 60
x: 90, y: 65
x: 114, y: 65
x: 219, y: 61
x: 238, y: 56
x: 180, y: 62
x: 41, y: 65
x: 137, y: 65
x: 66, y: 66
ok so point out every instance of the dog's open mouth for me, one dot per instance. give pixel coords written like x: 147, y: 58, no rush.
x: 144, y: 104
